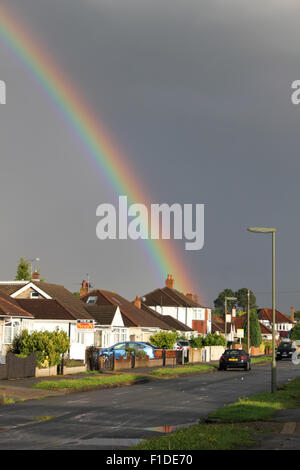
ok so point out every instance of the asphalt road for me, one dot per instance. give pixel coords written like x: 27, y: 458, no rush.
x: 116, y: 418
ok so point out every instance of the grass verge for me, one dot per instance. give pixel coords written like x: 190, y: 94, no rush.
x: 261, y: 406
x: 168, y: 372
x: 201, y: 437
x: 87, y: 382
x: 256, y: 360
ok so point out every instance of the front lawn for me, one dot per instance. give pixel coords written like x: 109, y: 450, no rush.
x: 180, y: 370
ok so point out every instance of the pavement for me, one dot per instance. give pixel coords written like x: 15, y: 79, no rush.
x: 114, y: 419
x: 288, y: 438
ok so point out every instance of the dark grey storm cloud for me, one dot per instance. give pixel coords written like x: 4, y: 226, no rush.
x: 198, y: 95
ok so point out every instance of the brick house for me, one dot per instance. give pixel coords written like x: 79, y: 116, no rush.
x: 184, y: 308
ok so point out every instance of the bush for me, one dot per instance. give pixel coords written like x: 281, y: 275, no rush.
x: 196, y: 341
x: 212, y: 339
x: 295, y: 332
x: 49, y: 346
x: 164, y: 339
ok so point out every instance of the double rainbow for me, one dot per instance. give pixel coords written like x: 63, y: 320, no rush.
x: 98, y: 143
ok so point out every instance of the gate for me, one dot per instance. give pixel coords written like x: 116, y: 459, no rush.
x: 182, y: 357
x: 18, y: 367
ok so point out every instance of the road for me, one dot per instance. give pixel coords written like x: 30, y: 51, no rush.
x: 116, y: 418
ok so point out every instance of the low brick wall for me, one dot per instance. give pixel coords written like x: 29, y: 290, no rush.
x: 46, y: 372
x: 255, y: 351
x: 74, y: 370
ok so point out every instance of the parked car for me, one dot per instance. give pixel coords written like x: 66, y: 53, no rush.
x: 126, y: 348
x: 285, y: 351
x: 235, y: 358
x: 182, y: 344
x: 151, y: 345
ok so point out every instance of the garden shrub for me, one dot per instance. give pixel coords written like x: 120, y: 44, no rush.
x: 49, y: 346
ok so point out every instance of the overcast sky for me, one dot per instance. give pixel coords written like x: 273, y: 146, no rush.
x: 198, y: 95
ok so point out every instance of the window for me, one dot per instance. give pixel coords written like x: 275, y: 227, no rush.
x: 92, y: 300
x: 34, y: 295
x: 11, y: 329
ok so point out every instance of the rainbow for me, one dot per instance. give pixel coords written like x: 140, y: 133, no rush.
x: 95, y: 138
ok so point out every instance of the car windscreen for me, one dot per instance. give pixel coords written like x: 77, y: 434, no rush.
x: 234, y: 352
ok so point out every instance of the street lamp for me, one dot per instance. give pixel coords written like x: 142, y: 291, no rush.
x: 225, y: 306
x: 273, y: 231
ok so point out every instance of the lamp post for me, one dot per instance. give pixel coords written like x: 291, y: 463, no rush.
x: 272, y: 231
x: 225, y: 306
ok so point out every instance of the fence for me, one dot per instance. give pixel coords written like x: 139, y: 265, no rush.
x: 18, y: 367
x: 163, y: 357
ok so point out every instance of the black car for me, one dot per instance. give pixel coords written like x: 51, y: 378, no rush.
x: 235, y: 358
x: 285, y: 351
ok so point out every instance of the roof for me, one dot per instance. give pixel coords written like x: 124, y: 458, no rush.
x: 55, y: 291
x: 132, y: 315
x: 267, y: 314
x: 217, y: 324
x: 168, y: 297
x: 49, y: 309
x: 168, y: 320
x: 9, y: 307
x: 102, y: 314
x: 239, y: 324
x: 176, y: 324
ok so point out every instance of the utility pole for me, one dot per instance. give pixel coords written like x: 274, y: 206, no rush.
x: 248, y: 321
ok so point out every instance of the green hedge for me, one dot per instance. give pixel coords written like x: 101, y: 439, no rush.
x: 49, y: 346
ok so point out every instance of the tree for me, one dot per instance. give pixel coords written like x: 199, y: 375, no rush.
x: 295, y: 332
x: 23, y: 271
x: 255, y: 332
x: 242, y: 299
x: 220, y: 300
x: 164, y: 339
x: 297, y: 315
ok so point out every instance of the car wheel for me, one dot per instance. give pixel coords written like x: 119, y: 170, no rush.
x: 247, y: 367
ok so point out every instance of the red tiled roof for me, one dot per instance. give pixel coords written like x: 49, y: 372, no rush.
x: 168, y: 297
x: 50, y: 309
x: 132, y: 315
x: 267, y: 314
x: 9, y: 307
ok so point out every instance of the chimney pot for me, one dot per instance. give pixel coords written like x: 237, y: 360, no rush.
x: 137, y: 302
x: 170, y: 282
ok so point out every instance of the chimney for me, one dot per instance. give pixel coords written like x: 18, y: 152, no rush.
x: 190, y: 296
x: 84, y: 288
x: 35, y: 276
x: 233, y: 312
x: 196, y: 298
x: 292, y: 314
x: 170, y: 281
x: 137, y: 302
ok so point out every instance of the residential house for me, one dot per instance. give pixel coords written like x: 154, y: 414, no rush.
x: 109, y: 325
x: 266, y: 332
x: 50, y: 307
x: 283, y: 323
x: 184, y: 308
x: 141, y: 323
x: 12, y: 319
